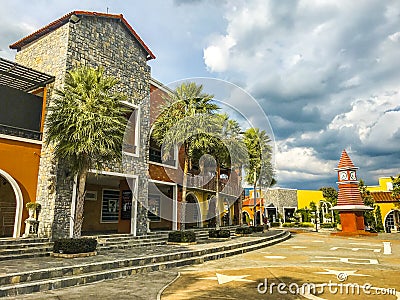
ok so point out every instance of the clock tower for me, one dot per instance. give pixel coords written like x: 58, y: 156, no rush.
x: 350, y: 204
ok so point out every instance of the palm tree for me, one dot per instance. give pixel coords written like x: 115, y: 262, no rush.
x: 227, y: 149
x: 86, y: 125
x: 259, y: 167
x: 184, y: 118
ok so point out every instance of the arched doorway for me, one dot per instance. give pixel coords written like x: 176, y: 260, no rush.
x: 246, y: 218
x: 391, y: 221
x: 11, y: 204
x: 192, y: 212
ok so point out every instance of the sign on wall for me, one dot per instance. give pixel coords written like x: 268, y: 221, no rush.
x: 126, y: 207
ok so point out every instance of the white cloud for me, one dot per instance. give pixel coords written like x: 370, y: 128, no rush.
x: 395, y: 37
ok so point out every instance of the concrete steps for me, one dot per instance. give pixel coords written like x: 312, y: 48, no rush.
x: 65, y: 276
x: 24, y: 248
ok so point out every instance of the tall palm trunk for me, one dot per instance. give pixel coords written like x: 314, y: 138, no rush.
x: 80, y: 201
x: 218, y: 216
x: 255, y: 204
x: 184, y: 191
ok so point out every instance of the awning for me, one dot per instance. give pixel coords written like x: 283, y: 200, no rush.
x: 22, y: 78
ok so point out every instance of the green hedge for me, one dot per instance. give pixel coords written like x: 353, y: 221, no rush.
x: 258, y: 228
x: 244, y: 230
x: 182, y: 236
x: 328, y: 225
x: 73, y: 246
x: 303, y: 224
x: 222, y: 233
x: 275, y: 224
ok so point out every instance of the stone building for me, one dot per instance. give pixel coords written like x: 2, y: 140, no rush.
x: 94, y: 39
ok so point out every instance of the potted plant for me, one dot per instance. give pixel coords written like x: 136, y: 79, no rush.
x: 32, y: 208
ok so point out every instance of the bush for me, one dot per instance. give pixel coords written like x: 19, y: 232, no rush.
x: 328, y: 225
x: 182, y: 236
x: 258, y: 228
x: 222, y: 233
x: 303, y: 224
x: 73, y: 246
x: 244, y: 230
x: 306, y: 224
x: 275, y: 224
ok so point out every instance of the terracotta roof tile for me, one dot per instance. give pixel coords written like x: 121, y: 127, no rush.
x: 384, y: 196
x: 345, y: 160
x: 63, y: 20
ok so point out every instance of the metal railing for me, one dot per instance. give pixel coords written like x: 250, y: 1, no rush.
x: 20, y: 132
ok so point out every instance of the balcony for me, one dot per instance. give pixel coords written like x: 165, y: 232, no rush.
x: 20, y: 132
x: 232, y: 187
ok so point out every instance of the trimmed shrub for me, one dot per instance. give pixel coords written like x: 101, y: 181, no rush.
x: 222, y: 233
x: 73, y: 246
x: 275, y: 224
x: 328, y: 225
x: 297, y: 225
x: 182, y: 236
x: 306, y: 224
x: 258, y: 228
x: 244, y: 230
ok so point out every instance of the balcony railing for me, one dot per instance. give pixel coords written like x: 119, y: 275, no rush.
x: 205, y: 183
x: 20, y: 132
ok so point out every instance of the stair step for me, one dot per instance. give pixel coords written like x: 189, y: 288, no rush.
x: 36, y: 280
x: 25, y: 245
x: 9, y: 241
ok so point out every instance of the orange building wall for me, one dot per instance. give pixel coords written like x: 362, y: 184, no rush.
x: 21, y: 161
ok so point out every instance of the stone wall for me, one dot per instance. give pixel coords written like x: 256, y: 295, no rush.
x: 49, y: 54
x: 93, y: 41
x: 281, y: 198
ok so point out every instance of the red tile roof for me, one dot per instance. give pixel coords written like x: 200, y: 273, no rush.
x: 349, y: 195
x: 345, y: 160
x: 61, y: 21
x: 384, y: 196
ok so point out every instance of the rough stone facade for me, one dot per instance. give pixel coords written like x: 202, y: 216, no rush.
x: 281, y: 198
x: 93, y: 41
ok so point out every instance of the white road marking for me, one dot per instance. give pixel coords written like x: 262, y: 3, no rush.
x: 356, y: 249
x: 347, y: 260
x: 299, y: 247
x: 226, y: 278
x: 275, y: 257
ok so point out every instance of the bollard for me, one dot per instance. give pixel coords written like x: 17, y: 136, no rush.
x: 387, y: 248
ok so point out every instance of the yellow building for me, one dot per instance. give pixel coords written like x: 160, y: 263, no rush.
x: 388, y: 205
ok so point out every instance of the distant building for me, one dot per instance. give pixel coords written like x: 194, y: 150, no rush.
x: 389, y: 205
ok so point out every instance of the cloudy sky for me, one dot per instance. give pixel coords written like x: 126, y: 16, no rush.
x: 326, y: 73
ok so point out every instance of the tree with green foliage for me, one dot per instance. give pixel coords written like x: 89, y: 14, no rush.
x: 331, y: 195
x: 368, y: 200
x: 185, y: 121
x: 226, y: 148
x: 396, y: 186
x: 259, y: 167
x: 86, y: 125
x: 378, y: 216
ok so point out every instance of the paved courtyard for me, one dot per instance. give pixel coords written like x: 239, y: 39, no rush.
x: 354, y: 267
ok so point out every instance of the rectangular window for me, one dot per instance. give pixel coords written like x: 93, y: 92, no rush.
x: 131, y: 138
x: 110, y: 206
x: 154, y: 208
